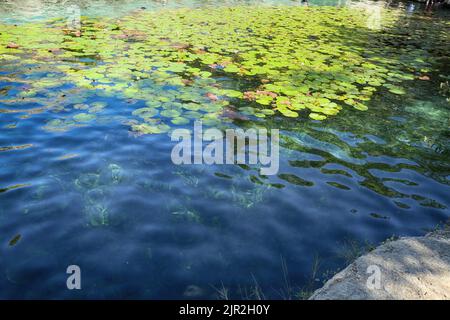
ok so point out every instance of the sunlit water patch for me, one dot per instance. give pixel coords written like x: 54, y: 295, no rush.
x: 86, y: 174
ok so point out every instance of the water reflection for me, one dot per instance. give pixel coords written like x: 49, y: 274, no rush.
x: 24, y: 10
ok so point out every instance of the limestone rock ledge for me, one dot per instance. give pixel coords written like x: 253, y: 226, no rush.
x: 413, y: 268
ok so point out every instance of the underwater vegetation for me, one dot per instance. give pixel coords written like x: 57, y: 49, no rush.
x: 216, y: 65
x: 96, y: 188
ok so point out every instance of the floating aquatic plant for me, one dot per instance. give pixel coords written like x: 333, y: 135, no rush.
x: 288, y: 61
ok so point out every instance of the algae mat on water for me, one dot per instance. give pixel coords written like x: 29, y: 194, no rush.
x: 207, y: 63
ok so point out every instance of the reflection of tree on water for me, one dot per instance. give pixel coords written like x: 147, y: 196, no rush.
x: 26, y: 9
x: 431, y: 4
x: 37, y: 8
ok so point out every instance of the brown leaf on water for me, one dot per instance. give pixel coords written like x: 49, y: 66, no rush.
x: 249, y: 95
x: 180, y: 46
x: 55, y: 50
x: 266, y: 93
x: 425, y: 78
x: 121, y: 36
x: 286, y: 102
x: 230, y: 113
x: 187, y: 82
x: 212, y: 96
x: 12, y: 45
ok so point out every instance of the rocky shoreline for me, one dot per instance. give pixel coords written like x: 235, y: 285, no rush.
x: 411, y: 268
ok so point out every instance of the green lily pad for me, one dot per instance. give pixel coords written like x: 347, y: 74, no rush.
x: 170, y: 113
x: 145, y: 112
x: 289, y: 113
x: 397, y: 90
x: 316, y: 116
x: 180, y: 121
x: 84, y: 117
x: 145, y: 128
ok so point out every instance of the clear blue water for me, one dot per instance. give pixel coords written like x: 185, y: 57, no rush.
x: 184, y: 231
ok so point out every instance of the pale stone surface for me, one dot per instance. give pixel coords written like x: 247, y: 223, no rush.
x: 411, y: 268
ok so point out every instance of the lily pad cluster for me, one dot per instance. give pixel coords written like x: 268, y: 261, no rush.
x: 206, y: 64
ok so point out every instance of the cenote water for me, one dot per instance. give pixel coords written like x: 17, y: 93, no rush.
x: 358, y: 90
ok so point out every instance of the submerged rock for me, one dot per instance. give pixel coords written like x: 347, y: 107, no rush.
x: 87, y: 181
